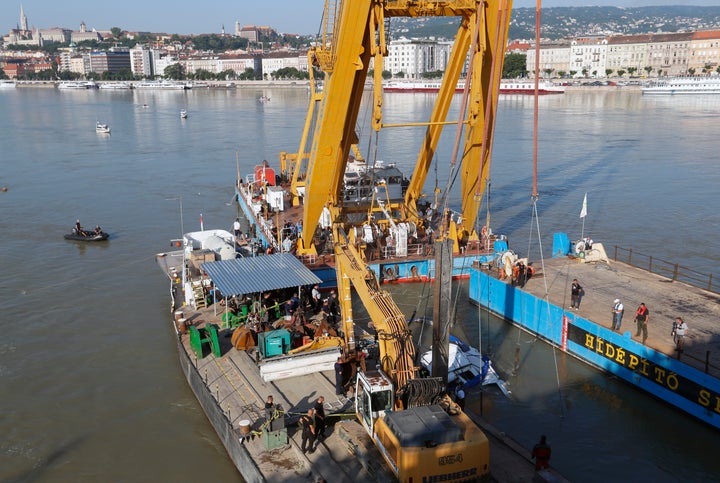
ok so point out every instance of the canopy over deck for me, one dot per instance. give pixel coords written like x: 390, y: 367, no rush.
x: 241, y: 276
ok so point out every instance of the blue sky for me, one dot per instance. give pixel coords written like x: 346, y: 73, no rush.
x: 192, y: 17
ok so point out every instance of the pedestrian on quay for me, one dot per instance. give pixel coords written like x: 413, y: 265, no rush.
x: 320, y: 419
x: 575, y: 294
x: 339, y: 388
x: 680, y: 330
x: 307, y: 422
x: 541, y: 454
x: 642, y: 316
x: 617, y: 312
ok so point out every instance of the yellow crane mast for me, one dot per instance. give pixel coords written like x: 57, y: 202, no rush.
x: 421, y: 433
x: 353, y: 36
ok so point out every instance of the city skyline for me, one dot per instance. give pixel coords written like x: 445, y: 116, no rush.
x: 185, y: 18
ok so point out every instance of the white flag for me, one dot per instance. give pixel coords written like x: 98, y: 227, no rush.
x: 583, y: 212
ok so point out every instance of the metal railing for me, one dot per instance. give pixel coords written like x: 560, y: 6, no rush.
x: 673, y: 271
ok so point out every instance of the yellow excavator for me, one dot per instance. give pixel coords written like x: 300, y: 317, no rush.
x: 422, y: 434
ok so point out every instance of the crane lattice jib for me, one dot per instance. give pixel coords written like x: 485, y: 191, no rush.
x: 394, y: 337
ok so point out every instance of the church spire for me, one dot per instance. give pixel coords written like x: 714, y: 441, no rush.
x: 23, y: 19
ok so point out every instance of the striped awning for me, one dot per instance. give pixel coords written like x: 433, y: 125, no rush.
x: 242, y: 276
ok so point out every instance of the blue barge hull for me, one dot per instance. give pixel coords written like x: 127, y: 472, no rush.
x: 685, y: 387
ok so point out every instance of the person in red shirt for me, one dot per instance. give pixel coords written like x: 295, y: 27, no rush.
x: 642, y: 316
x: 541, y: 454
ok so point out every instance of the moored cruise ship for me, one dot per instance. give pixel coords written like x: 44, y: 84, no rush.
x: 506, y: 87
x: 77, y: 85
x: 164, y: 85
x: 684, y: 85
x: 116, y: 85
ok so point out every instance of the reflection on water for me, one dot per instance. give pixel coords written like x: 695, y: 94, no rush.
x: 91, y: 387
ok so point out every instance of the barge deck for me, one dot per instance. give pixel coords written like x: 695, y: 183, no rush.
x: 688, y: 380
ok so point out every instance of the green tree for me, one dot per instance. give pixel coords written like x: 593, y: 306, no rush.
x: 386, y: 74
x: 572, y: 73
x: 548, y: 73
x: 648, y: 69
x: 116, y: 32
x: 621, y: 72
x: 562, y: 74
x: 632, y: 70
x: 175, y: 72
x: 514, y: 66
x: 249, y: 74
x: 608, y: 72
x: 435, y: 74
x: 3, y: 75
x: 585, y: 72
x: 691, y: 71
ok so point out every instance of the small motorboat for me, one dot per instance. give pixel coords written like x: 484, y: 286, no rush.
x: 264, y: 99
x: 183, y: 114
x: 102, y: 128
x: 87, y: 236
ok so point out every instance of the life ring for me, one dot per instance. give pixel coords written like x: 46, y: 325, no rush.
x: 579, y: 246
x: 390, y: 273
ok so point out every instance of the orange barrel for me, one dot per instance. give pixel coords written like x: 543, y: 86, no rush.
x: 244, y: 427
x: 182, y: 325
x: 178, y: 315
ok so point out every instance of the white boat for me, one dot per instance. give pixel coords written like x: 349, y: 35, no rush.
x: 467, y: 366
x: 264, y: 99
x: 684, y: 85
x: 116, y: 85
x: 78, y: 85
x: 102, y: 128
x: 7, y: 84
x: 506, y: 87
x: 183, y: 114
x: 163, y: 85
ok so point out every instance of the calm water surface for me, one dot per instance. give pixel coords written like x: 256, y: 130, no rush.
x: 91, y: 389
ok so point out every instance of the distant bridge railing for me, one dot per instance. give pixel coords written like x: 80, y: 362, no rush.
x: 673, y: 271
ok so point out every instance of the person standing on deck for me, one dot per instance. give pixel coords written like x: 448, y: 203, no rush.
x: 339, y: 388
x: 236, y: 228
x: 575, y: 293
x: 320, y: 419
x: 617, y: 311
x: 541, y: 454
x: 642, y: 316
x: 460, y: 396
x: 680, y: 331
x: 307, y: 422
x: 316, y: 299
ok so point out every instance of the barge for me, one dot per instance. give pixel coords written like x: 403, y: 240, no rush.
x: 687, y: 380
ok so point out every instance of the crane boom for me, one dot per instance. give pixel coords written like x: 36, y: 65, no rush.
x: 422, y: 434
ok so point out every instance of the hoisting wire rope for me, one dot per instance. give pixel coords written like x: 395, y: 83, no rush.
x: 535, y: 217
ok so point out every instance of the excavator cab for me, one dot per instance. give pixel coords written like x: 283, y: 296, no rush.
x: 375, y: 395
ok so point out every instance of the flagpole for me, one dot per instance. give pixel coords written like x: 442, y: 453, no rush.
x: 583, y: 214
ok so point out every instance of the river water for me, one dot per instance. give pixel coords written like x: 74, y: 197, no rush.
x: 91, y: 388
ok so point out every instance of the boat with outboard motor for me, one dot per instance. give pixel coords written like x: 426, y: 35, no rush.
x: 90, y: 236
